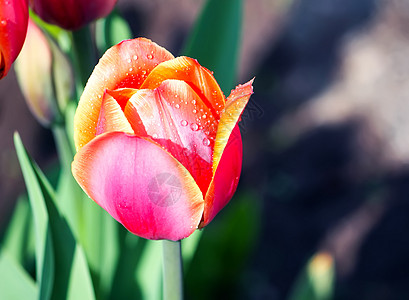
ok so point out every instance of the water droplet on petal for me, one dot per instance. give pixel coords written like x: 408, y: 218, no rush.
x: 150, y: 56
x: 206, y: 142
x: 155, y: 136
x: 177, y: 105
x: 130, y: 69
x: 183, y: 123
x: 129, y: 60
x: 204, y: 116
x: 193, y: 101
x: 194, y: 126
x: 194, y: 111
x: 135, y: 57
x: 3, y: 22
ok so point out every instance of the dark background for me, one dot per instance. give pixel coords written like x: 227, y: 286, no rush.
x: 326, y: 147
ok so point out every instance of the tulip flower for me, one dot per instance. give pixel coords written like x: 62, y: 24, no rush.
x: 44, y: 75
x: 13, y: 28
x: 158, y: 145
x: 72, y: 14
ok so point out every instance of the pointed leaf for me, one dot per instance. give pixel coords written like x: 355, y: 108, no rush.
x: 215, y: 40
x: 70, y: 263
x: 111, y: 30
x: 44, y: 251
x: 15, y: 282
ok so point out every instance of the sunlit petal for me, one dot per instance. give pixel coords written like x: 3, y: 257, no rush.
x: 111, y: 117
x: 175, y: 116
x: 125, y: 65
x: 190, y: 71
x: 140, y: 185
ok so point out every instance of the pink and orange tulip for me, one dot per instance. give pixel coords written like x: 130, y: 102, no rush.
x: 72, y: 14
x: 13, y: 28
x: 158, y: 145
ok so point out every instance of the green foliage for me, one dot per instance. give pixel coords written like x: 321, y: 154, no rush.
x: 110, y: 31
x: 15, y: 282
x: 215, y: 40
x: 57, y: 251
x: 223, y: 250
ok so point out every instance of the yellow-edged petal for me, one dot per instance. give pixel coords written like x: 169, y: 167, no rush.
x: 125, y: 65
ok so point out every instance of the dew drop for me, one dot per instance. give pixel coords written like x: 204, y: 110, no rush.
x: 194, y: 126
x: 183, y: 123
x: 206, y: 142
x: 150, y: 56
x: 204, y: 116
x: 177, y: 105
x: 3, y: 22
x: 194, y: 111
x: 129, y: 60
x: 130, y: 69
x: 193, y: 101
x: 135, y: 57
x: 143, y: 72
x: 155, y: 136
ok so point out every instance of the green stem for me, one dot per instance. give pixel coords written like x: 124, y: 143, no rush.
x: 63, y: 145
x: 84, y: 56
x: 172, y: 271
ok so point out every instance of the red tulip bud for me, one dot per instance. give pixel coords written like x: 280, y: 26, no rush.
x: 72, y: 14
x: 13, y: 27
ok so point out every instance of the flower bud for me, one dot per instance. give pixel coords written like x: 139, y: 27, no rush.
x: 44, y: 75
x: 72, y: 14
x: 13, y: 27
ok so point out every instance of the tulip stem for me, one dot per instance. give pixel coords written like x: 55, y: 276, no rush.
x: 172, y: 270
x: 63, y: 146
x: 84, y: 55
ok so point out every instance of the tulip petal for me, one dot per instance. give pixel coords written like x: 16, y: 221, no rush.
x: 13, y: 28
x: 190, y: 71
x: 227, y: 155
x: 140, y: 185
x: 226, y: 178
x: 174, y: 116
x: 122, y: 96
x: 111, y: 117
x: 235, y: 105
x: 125, y: 65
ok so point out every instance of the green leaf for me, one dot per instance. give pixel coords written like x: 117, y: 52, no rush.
x: 44, y: 251
x: 149, y: 271
x: 215, y: 40
x: 72, y: 275
x: 15, y: 283
x: 189, y: 247
x: 125, y: 285
x: 94, y: 228
x: 110, y: 31
x: 316, y: 281
x: 225, y: 245
x: 17, y: 237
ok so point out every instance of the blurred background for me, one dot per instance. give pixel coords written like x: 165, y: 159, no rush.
x: 326, y: 149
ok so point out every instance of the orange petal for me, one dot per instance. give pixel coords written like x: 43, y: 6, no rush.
x: 122, y: 96
x: 174, y: 116
x: 227, y: 153
x: 125, y: 65
x: 235, y: 105
x: 140, y: 185
x: 226, y: 178
x: 189, y: 70
x: 111, y: 117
